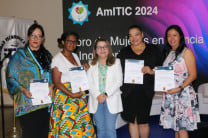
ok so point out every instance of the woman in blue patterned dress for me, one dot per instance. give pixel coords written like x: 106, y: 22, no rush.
x: 179, y: 105
x: 29, y: 63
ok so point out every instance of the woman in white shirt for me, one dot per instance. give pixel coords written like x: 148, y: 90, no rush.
x: 69, y: 113
x: 105, y: 79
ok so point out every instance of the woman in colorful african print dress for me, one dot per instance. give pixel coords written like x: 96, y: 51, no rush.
x: 29, y: 63
x: 179, y: 105
x: 69, y: 114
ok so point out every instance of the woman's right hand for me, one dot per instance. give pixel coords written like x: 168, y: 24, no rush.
x: 147, y: 70
x: 101, y: 98
x: 27, y: 93
x: 76, y: 95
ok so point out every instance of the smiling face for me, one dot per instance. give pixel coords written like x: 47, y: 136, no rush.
x: 173, y: 38
x: 35, y: 39
x: 135, y: 36
x: 70, y: 43
x: 102, y: 49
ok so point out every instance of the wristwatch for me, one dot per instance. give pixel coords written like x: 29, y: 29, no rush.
x: 106, y: 94
x: 181, y: 88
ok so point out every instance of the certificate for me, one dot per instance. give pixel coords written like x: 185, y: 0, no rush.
x: 133, y: 71
x: 78, y: 79
x: 39, y: 89
x: 164, y: 78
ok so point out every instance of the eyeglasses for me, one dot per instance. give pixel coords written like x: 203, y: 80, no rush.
x: 71, y: 41
x: 33, y: 36
x: 101, y: 47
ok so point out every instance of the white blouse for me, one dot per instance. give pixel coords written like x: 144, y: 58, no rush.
x: 63, y: 65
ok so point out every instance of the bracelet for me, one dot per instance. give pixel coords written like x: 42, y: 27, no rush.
x: 181, y: 88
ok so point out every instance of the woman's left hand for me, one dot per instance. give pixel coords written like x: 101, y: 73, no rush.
x: 173, y: 91
x: 86, y: 66
x: 147, y: 70
x: 50, y: 90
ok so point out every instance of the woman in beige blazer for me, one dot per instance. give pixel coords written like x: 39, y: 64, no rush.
x: 105, y: 79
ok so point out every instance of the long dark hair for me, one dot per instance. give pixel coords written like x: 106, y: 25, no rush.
x: 42, y: 55
x: 31, y: 29
x: 182, y: 44
x: 110, y: 59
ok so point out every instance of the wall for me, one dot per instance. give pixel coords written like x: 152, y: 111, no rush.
x: 48, y: 13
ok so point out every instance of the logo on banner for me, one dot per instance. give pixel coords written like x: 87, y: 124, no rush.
x: 79, y: 13
x: 10, y: 44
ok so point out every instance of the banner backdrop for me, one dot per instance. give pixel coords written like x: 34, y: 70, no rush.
x: 13, y: 34
x: 111, y: 18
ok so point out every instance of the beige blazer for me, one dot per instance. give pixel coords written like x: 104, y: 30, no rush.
x: 113, y: 83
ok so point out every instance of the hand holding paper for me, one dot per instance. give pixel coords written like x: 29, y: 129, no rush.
x: 133, y: 71
x: 164, y: 78
x: 40, y: 91
x: 78, y: 79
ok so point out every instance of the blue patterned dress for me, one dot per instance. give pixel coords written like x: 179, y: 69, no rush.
x: 21, y: 70
x: 179, y: 111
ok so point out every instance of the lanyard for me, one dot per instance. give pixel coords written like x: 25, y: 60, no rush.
x: 41, y: 69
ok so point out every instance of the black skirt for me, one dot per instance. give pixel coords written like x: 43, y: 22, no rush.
x: 136, y: 104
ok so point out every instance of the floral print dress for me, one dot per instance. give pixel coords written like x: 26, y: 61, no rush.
x: 179, y: 111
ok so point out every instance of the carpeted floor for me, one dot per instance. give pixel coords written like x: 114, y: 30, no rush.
x: 156, y: 131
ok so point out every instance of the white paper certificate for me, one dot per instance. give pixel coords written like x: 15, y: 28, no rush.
x: 40, y: 91
x: 78, y: 79
x: 164, y: 78
x: 133, y: 71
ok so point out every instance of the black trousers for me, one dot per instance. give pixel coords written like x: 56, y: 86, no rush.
x: 35, y: 124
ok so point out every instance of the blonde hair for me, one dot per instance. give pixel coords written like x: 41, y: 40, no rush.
x: 110, y: 59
